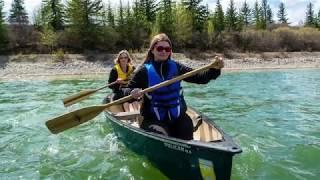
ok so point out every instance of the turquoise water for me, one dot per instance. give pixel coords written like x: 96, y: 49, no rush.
x: 273, y: 116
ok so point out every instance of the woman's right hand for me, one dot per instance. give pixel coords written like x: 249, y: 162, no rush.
x: 218, y: 63
x: 120, y: 81
x: 136, y: 93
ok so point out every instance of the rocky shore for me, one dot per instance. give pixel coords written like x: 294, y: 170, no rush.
x: 35, y: 67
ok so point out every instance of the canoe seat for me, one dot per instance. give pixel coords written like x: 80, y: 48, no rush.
x: 202, y: 130
x: 134, y: 118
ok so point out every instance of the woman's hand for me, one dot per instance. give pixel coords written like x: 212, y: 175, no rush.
x: 136, y: 93
x: 218, y: 63
x: 120, y: 81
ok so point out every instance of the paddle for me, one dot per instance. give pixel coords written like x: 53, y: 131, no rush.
x: 77, y: 117
x: 68, y: 101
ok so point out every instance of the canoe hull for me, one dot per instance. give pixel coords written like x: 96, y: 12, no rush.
x: 175, y: 158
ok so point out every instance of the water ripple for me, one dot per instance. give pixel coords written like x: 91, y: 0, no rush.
x: 273, y: 116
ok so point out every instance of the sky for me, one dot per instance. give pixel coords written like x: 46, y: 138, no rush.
x: 295, y: 8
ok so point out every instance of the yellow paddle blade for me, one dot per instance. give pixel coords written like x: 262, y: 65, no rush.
x: 68, y: 101
x: 77, y: 117
x: 74, y: 118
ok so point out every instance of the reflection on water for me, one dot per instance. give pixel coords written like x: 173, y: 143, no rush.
x: 273, y: 116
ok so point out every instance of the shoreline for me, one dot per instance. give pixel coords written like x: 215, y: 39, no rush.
x: 75, y: 66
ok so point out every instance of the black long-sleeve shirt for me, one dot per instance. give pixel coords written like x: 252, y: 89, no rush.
x: 113, y: 76
x: 140, y: 80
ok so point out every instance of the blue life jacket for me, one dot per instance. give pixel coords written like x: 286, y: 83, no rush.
x: 165, y: 101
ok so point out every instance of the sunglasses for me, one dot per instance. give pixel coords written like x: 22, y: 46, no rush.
x: 161, y: 48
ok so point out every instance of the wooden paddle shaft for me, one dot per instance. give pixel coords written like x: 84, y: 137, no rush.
x: 77, y: 117
x: 162, y: 84
x: 82, y: 95
x: 106, y: 86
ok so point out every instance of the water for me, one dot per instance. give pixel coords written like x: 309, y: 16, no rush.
x: 273, y: 116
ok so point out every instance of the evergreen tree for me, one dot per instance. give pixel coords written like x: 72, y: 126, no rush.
x: 150, y: 8
x: 128, y: 11
x: 121, y: 20
x: 83, y: 12
x: 122, y: 26
x: 141, y: 26
x: 108, y: 34
x: 210, y: 31
x: 257, y: 19
x: 231, y: 17
x: 48, y: 36
x: 282, y: 15
x: 139, y: 13
x: 202, y: 17
x: 156, y: 27
x: 52, y: 13
x: 82, y: 16
x: 129, y: 21
x: 164, y: 20
x: 199, y: 13
x: 218, y: 21
x: 3, y: 30
x: 264, y: 14
x: 38, y: 19
x: 310, y: 21
x: 110, y: 15
x: 318, y: 19
x: 182, y: 26
x: 269, y: 17
x: 1, y: 13
x: 204, y: 32
x: 18, y: 14
x: 245, y: 14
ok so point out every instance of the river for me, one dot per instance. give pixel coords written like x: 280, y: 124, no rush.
x: 274, y: 116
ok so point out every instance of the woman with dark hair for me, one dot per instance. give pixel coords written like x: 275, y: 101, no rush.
x: 120, y: 74
x: 164, y: 110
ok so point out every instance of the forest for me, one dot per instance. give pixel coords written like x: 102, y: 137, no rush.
x: 91, y: 25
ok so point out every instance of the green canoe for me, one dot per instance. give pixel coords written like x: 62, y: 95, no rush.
x: 207, y: 156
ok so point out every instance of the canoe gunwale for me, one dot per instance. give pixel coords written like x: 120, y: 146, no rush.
x: 225, y: 145
x: 202, y: 158
x: 226, y: 139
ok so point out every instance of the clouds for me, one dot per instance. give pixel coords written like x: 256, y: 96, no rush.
x: 295, y: 8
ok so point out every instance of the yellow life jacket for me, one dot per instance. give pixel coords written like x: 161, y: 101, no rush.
x: 124, y: 75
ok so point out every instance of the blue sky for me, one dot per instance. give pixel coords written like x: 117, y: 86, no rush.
x: 295, y: 8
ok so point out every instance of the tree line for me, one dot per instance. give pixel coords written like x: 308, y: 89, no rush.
x: 82, y: 25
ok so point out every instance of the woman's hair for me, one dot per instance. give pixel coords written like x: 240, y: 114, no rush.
x: 116, y: 60
x: 154, y: 41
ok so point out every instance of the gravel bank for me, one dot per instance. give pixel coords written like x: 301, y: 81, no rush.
x: 26, y: 67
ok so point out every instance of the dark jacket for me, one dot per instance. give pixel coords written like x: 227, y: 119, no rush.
x: 116, y: 89
x: 140, y: 80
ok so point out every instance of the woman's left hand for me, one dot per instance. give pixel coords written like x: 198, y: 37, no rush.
x: 218, y: 63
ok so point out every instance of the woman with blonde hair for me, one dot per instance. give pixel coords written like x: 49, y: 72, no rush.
x: 120, y: 74
x: 164, y: 109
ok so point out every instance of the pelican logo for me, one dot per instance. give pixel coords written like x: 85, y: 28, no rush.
x: 185, y: 149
